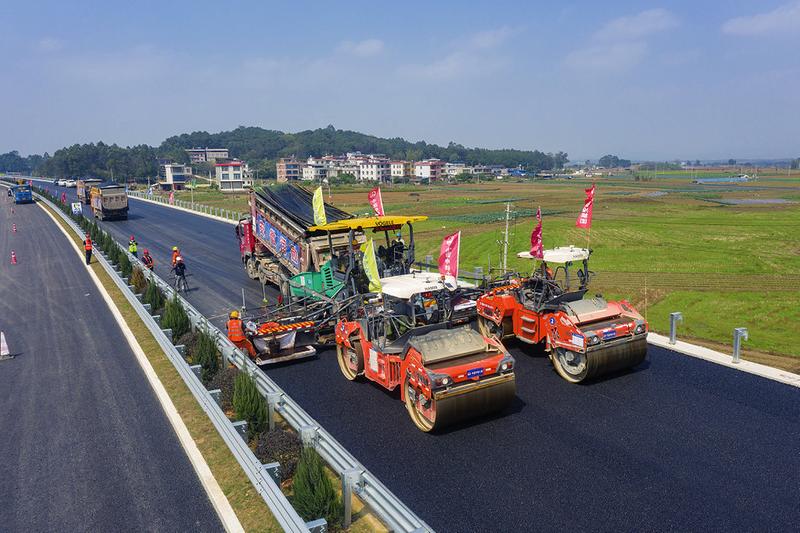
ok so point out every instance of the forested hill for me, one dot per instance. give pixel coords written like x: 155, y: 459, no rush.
x: 260, y: 148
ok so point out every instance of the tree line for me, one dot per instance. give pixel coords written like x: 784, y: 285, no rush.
x: 260, y: 148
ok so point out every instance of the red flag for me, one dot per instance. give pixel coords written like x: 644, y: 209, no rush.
x: 171, y: 197
x: 63, y: 197
x: 585, y: 218
x: 448, y: 255
x: 376, y: 201
x: 537, y: 249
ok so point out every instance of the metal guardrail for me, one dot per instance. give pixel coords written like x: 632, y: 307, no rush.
x: 259, y: 476
x: 356, y: 479
x: 227, y: 214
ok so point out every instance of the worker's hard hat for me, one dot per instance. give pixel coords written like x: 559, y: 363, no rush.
x: 174, y: 248
x: 132, y: 237
x: 234, y: 314
x: 146, y: 251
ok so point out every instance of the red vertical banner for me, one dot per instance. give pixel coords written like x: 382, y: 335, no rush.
x: 585, y: 218
x: 448, y: 255
x: 537, y: 249
x: 171, y: 197
x: 376, y: 201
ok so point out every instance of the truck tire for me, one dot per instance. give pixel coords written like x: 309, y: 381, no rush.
x: 251, y: 267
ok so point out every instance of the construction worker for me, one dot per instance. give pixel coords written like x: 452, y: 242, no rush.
x: 180, y: 274
x: 147, y: 259
x: 237, y: 336
x: 133, y: 247
x: 175, y: 254
x: 87, y: 246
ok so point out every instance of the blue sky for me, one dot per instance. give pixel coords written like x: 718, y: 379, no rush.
x: 684, y: 79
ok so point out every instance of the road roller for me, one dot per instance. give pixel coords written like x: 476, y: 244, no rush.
x: 446, y: 373
x: 585, y: 338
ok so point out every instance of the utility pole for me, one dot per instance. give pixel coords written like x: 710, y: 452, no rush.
x: 505, y: 238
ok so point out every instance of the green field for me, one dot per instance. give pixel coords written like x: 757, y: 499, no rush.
x: 664, y: 244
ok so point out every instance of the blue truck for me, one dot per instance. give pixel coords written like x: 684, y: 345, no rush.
x: 22, y: 194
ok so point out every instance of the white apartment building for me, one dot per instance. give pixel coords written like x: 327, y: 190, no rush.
x: 454, y: 169
x: 429, y: 170
x: 202, y: 155
x: 175, y: 176
x: 379, y: 171
x: 314, y: 172
x: 401, y: 170
x: 232, y: 176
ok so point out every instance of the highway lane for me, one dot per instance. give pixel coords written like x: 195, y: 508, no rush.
x: 678, y: 443
x: 85, y: 444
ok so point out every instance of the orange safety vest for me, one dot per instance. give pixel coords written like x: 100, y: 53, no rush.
x: 175, y: 254
x: 235, y: 333
x: 87, y: 244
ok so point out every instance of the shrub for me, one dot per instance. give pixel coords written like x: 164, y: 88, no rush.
x: 207, y: 355
x: 314, y: 494
x: 153, y: 296
x: 175, y: 317
x: 125, y: 264
x: 249, y: 404
x: 138, y: 280
x: 224, y: 380
x: 189, y: 340
x: 280, y: 446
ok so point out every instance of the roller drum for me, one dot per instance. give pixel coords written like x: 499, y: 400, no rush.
x: 612, y: 359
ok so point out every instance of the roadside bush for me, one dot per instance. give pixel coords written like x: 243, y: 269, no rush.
x: 112, y: 251
x: 153, y: 296
x: 314, y: 494
x: 189, y: 340
x: 138, y: 280
x: 282, y: 446
x: 224, y: 380
x: 174, y: 317
x: 249, y: 404
x: 125, y: 265
x: 207, y: 355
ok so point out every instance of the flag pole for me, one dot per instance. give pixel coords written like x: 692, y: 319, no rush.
x: 459, y: 255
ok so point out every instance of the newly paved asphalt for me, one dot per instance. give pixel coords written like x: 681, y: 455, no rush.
x: 676, y: 444
x: 84, y: 443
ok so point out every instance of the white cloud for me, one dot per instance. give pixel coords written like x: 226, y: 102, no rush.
x: 138, y: 64
x: 491, y: 38
x: 446, y: 68
x: 49, y: 44
x: 365, y: 48
x: 608, y: 57
x: 783, y: 19
x: 637, y: 26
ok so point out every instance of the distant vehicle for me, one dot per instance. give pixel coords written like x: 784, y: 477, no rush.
x: 55, y: 181
x: 84, y: 189
x: 71, y: 183
x: 22, y: 194
x: 61, y: 183
x: 109, y: 202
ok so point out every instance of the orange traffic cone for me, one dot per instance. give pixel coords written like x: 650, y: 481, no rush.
x: 13, y: 257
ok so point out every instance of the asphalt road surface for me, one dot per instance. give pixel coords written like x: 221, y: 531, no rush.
x: 84, y: 443
x: 676, y: 444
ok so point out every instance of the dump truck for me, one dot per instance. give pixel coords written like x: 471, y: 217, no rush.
x: 445, y: 374
x: 109, y: 202
x: 84, y: 189
x: 22, y: 194
x: 585, y: 338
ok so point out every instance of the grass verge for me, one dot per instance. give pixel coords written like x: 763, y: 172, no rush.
x: 248, y: 505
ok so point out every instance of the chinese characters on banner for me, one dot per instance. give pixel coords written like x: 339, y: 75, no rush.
x: 537, y: 249
x: 585, y: 218
x: 376, y: 201
x: 448, y: 255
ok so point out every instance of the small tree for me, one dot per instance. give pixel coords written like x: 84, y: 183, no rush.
x: 125, y: 264
x: 249, y: 404
x: 138, y: 280
x: 206, y: 355
x: 175, y: 317
x: 280, y: 446
x: 153, y: 296
x: 225, y: 381
x: 314, y: 495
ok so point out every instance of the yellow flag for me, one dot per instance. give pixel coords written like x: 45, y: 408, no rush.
x: 371, y: 266
x: 319, y: 208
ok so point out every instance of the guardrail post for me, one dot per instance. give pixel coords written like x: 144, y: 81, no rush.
x: 274, y: 471
x: 350, y: 479
x: 428, y: 261
x: 317, y: 526
x: 738, y: 335
x: 147, y: 307
x: 273, y: 398
x: 157, y: 319
x: 217, y: 395
x: 674, y: 318
x: 308, y: 435
x: 241, y: 428
x: 197, y: 369
x: 181, y: 348
x: 167, y: 332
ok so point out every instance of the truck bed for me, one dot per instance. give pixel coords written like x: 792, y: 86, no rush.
x: 295, y: 204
